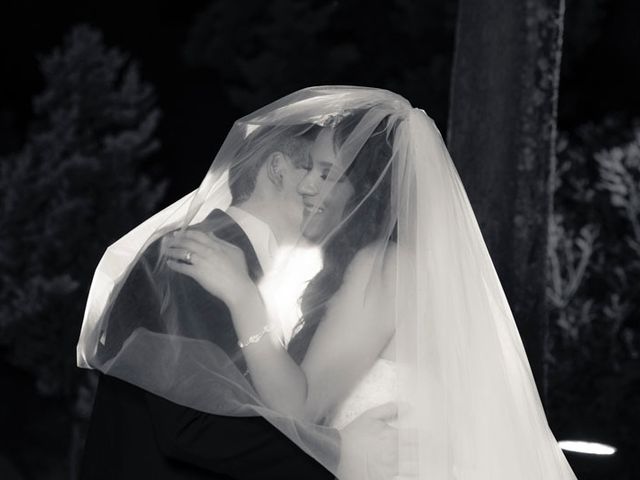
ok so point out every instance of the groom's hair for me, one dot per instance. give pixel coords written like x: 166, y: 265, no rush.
x: 293, y: 141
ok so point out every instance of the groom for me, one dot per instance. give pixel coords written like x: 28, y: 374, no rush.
x: 135, y: 434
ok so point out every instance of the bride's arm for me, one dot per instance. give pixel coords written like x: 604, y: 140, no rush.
x: 279, y: 380
x: 354, y: 331
x: 359, y: 323
x: 344, y: 346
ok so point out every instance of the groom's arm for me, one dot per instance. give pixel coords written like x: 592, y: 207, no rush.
x: 245, y: 448
x: 242, y: 447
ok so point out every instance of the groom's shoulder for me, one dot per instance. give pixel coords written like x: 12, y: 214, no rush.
x: 217, y: 220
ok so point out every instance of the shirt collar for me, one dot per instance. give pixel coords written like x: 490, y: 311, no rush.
x: 260, y: 234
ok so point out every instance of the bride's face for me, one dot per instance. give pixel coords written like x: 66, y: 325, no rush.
x: 325, y: 193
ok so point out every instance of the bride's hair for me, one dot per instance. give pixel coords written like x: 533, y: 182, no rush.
x: 370, y: 175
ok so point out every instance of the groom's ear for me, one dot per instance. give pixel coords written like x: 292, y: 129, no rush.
x: 276, y: 164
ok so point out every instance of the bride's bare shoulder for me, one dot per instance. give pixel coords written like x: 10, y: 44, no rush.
x: 371, y: 278
x: 385, y: 256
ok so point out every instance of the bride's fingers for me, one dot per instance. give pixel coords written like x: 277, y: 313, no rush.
x: 210, y: 239
x: 196, y: 239
x: 182, y: 254
x: 196, y: 235
x: 204, y: 238
x: 181, y: 267
x: 191, y: 245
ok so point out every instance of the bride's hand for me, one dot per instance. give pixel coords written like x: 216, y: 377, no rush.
x: 218, y: 266
x: 369, y: 445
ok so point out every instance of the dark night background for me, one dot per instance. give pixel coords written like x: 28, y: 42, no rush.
x: 181, y: 73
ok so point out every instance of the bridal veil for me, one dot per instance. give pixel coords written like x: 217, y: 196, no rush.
x: 468, y: 404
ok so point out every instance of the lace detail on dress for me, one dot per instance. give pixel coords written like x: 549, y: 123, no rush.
x: 378, y: 386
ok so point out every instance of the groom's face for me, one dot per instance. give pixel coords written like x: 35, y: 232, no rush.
x: 293, y: 171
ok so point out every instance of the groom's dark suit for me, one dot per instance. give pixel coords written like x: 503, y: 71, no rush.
x: 137, y: 435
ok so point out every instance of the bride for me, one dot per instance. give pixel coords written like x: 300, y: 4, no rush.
x: 403, y: 306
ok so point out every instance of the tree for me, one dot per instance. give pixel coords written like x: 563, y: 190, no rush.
x: 502, y: 129
x: 261, y: 51
x: 73, y: 189
x: 265, y: 50
x: 594, y: 289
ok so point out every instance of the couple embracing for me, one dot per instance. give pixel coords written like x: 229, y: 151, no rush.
x: 394, y: 355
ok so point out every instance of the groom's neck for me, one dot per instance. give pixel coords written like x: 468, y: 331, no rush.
x: 269, y: 213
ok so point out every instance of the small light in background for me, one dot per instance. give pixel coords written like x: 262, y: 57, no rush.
x: 593, y: 448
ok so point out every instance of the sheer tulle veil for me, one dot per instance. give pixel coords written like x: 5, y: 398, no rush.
x: 407, y: 252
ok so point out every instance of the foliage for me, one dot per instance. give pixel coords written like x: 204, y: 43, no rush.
x: 261, y: 51
x: 594, y: 284
x: 73, y: 189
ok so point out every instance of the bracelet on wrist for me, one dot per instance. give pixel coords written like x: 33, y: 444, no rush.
x: 255, y: 338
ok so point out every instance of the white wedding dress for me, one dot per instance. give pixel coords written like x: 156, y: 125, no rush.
x: 377, y: 386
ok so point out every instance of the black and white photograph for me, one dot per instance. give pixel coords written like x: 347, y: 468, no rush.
x: 320, y: 240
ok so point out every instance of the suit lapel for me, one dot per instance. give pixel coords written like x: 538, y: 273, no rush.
x: 224, y: 227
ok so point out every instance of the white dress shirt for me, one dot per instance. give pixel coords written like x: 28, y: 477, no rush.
x: 260, y: 235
